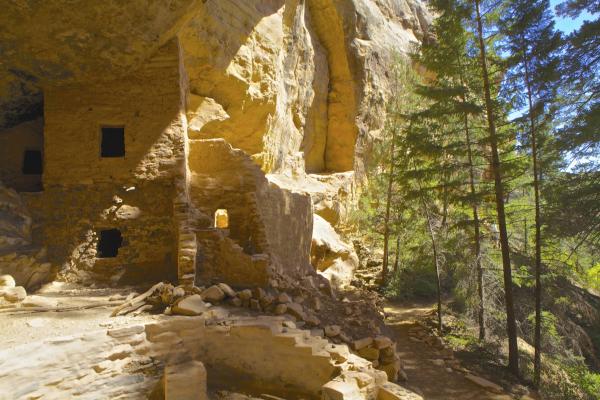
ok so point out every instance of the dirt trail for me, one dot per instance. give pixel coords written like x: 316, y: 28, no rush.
x: 432, y: 381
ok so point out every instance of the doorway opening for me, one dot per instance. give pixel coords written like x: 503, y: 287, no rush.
x: 109, y: 242
x: 32, y: 162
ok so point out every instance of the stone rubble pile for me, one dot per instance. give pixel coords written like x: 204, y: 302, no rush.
x: 368, y: 271
x: 302, y: 311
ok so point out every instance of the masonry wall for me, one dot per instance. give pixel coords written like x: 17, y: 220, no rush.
x: 85, y: 193
x: 269, y: 228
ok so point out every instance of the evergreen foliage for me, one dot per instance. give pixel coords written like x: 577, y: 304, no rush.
x: 486, y: 182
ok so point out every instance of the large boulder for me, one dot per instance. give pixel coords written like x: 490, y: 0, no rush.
x: 330, y: 256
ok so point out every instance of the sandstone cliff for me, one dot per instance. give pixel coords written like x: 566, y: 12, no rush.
x: 294, y: 83
x: 298, y: 85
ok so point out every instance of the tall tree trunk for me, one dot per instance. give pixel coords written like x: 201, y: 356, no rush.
x: 388, y: 206
x: 397, y: 260
x: 525, y: 236
x: 436, y: 262
x: 435, y: 256
x: 476, y: 225
x: 537, y: 360
x: 511, y: 326
x: 445, y: 179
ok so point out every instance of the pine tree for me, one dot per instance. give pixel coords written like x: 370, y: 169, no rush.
x: 574, y: 206
x: 533, y: 45
x: 449, y: 59
x: 511, y: 326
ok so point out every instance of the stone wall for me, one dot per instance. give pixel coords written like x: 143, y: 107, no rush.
x: 85, y: 193
x: 269, y: 227
x: 258, y: 355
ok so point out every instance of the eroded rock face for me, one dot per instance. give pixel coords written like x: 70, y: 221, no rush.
x: 297, y: 84
x: 298, y: 88
x: 23, y: 262
x: 49, y: 42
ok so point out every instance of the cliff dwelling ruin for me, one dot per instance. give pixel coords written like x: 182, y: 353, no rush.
x: 176, y: 168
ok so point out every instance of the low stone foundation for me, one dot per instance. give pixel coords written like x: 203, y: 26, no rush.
x: 245, y: 354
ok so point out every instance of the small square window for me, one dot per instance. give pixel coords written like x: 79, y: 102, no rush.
x: 32, y: 162
x: 113, y: 142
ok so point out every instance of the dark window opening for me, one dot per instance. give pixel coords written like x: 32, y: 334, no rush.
x: 113, y: 142
x: 32, y: 162
x: 109, y: 243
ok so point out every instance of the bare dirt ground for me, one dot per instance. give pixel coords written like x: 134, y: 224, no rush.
x: 432, y: 381
x: 77, y: 310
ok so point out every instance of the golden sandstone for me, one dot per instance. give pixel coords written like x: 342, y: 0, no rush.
x: 187, y: 166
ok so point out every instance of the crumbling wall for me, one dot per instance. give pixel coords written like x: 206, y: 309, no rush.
x: 85, y: 193
x: 269, y: 227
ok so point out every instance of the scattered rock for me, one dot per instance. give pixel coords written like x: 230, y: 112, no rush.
x: 390, y: 391
x: 280, y: 309
x: 362, y: 343
x: 382, y: 342
x: 447, y: 354
x: 312, y: 320
x: 369, y: 353
x: 289, y: 324
x: 332, y: 330
x: 317, y: 332
x: 213, y: 294
x: 317, y: 304
x: 7, y: 281
x: 259, y: 293
x: 191, y: 305
x: 126, y: 331
x: 392, y: 370
x: 229, y: 292
x: 345, y: 338
x: 14, y: 294
x: 255, y: 304
x: 284, y: 298
x: 266, y: 301
x: 245, y: 294
x: 296, y: 310
x: 235, y: 301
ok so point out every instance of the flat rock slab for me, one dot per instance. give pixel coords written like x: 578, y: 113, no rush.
x: 192, y: 305
x: 391, y: 391
x: 484, y: 383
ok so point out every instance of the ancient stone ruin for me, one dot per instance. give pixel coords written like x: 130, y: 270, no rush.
x: 175, y: 179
